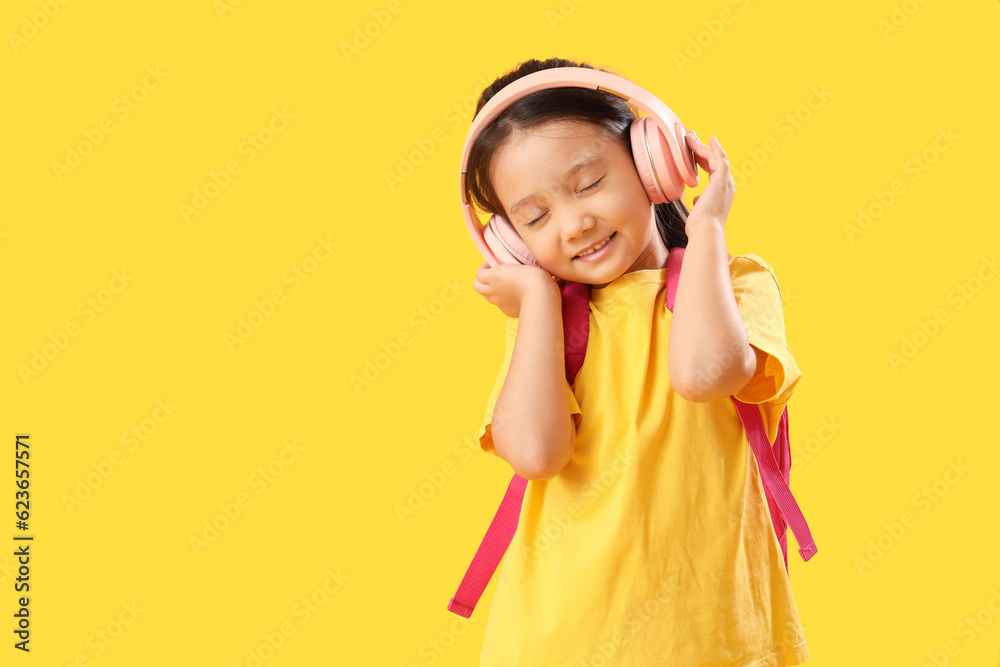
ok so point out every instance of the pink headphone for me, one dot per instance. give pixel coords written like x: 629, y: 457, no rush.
x: 662, y: 159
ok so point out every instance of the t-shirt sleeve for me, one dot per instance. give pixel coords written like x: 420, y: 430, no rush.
x: 758, y: 297
x: 486, y: 431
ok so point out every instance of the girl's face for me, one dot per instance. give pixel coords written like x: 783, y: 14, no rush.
x: 560, y: 208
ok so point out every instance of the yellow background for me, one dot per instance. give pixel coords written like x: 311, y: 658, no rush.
x: 867, y: 435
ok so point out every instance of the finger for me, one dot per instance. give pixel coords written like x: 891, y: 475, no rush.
x: 718, y: 155
x: 702, y: 153
x: 722, y: 160
x: 719, y: 147
x: 482, y: 273
x: 695, y: 144
x: 482, y: 279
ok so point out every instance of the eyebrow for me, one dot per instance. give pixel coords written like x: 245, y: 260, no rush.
x: 586, y: 162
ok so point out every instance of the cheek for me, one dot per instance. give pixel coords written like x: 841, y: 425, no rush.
x: 639, y: 207
x: 628, y: 204
x: 540, y: 244
x: 549, y: 243
x: 627, y: 194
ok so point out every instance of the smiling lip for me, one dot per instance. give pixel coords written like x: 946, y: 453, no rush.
x: 606, y: 238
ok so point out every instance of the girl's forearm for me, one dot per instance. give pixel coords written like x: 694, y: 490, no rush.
x: 532, y: 426
x: 709, y: 355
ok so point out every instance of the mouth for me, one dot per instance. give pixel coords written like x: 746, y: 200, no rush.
x: 596, y: 247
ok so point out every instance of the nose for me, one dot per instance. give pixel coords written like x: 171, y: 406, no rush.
x: 576, y: 224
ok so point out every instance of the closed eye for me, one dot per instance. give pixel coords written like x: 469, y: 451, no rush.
x: 589, y: 187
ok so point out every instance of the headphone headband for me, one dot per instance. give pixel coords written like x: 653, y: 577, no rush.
x: 561, y: 77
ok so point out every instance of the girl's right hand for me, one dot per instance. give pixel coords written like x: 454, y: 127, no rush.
x: 505, y: 285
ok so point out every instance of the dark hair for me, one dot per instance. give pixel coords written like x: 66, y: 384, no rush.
x: 610, y: 113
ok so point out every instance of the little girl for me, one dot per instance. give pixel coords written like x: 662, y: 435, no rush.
x: 644, y: 536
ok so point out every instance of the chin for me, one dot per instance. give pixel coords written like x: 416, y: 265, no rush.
x: 603, y: 279
x: 598, y: 275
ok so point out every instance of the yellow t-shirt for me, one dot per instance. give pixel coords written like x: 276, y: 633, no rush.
x: 654, y: 545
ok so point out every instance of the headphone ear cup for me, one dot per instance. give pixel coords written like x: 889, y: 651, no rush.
x: 659, y: 171
x: 505, y: 242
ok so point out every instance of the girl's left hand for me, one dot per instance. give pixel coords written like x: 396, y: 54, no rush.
x: 717, y: 197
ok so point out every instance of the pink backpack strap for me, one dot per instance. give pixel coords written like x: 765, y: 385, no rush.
x: 775, y: 480
x: 783, y: 457
x: 576, y: 330
x: 781, y: 503
x: 491, y: 550
x: 576, y: 325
